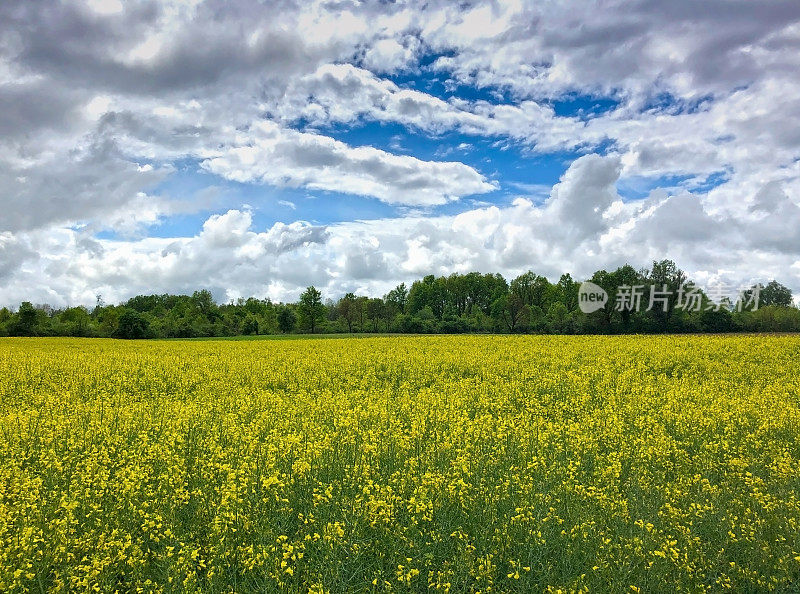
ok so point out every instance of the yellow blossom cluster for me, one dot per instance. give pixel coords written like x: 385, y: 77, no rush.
x: 401, y: 464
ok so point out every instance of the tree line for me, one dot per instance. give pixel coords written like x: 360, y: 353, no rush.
x: 459, y: 303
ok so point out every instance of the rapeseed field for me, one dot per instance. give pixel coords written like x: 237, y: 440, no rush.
x: 401, y: 464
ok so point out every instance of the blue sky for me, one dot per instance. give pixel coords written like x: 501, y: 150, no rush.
x: 358, y: 145
x: 518, y: 169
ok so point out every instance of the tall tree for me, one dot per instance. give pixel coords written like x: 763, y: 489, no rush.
x: 310, y: 308
x: 348, y: 310
x: 375, y: 311
x: 204, y: 302
x: 286, y: 319
x: 609, y: 282
x: 398, y: 297
x: 361, y: 310
x: 77, y: 320
x: 775, y: 294
x: 27, y: 323
x: 390, y: 310
x: 430, y: 292
x: 250, y: 325
x: 511, y: 311
x: 533, y: 289
x: 131, y: 324
x: 567, y: 292
x: 665, y: 278
x: 627, y: 276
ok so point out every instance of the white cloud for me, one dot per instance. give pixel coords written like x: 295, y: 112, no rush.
x: 284, y: 157
x: 102, y: 102
x: 389, y: 55
x: 337, y: 93
x: 582, y: 227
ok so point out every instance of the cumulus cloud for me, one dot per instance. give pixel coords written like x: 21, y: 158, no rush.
x: 287, y: 157
x: 102, y: 104
x: 619, y: 46
x: 586, y: 191
x: 337, y: 93
x: 95, y: 181
x: 583, y: 226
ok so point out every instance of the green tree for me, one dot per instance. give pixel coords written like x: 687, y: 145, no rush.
x: 26, y: 323
x: 131, y: 324
x: 664, y: 276
x: 430, y: 292
x: 775, y: 294
x: 511, y: 311
x: 361, y: 311
x: 375, y: 312
x: 390, y: 311
x: 286, y: 319
x: 558, y: 320
x: 311, y: 309
x: 77, y: 321
x: 204, y: 302
x: 396, y: 299
x: 250, y: 325
x: 533, y: 289
x: 567, y: 292
x: 716, y: 320
x: 5, y: 318
x: 627, y: 276
x: 348, y: 310
x: 601, y: 319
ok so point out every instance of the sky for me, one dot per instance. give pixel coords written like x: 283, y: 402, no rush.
x: 256, y: 148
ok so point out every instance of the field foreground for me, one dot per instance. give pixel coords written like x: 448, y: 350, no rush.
x: 401, y: 464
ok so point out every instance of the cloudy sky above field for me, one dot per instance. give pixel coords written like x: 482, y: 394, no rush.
x: 257, y: 148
